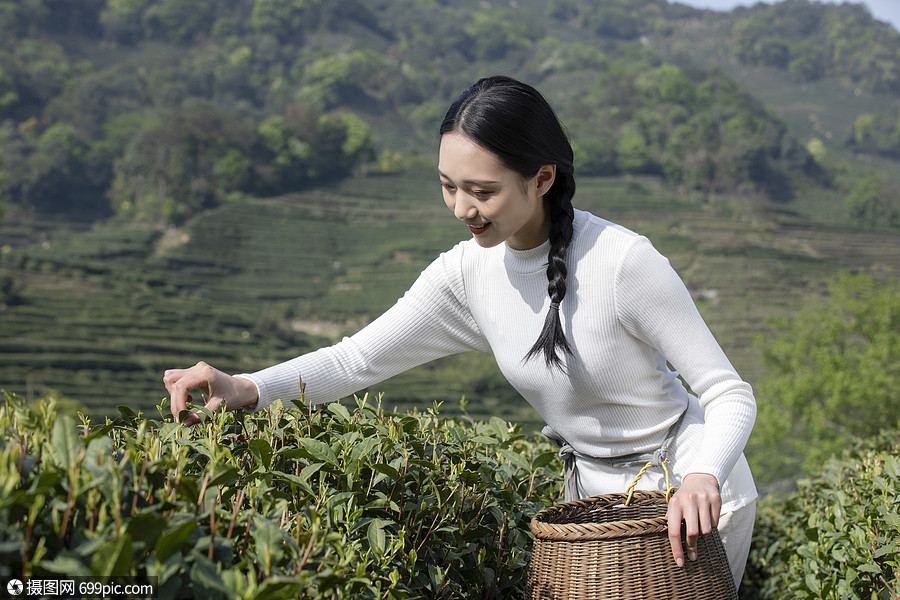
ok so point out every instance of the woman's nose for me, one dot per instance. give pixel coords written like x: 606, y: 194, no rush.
x: 464, y: 208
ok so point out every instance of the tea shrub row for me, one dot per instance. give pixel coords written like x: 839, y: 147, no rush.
x: 336, y: 503
x: 836, y: 537
x: 302, y: 503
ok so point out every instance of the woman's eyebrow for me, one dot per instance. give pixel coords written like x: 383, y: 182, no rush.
x: 470, y: 181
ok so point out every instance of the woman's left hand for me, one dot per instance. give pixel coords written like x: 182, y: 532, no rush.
x: 697, y: 502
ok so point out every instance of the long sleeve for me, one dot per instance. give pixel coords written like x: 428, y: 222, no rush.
x: 430, y: 321
x: 655, y: 306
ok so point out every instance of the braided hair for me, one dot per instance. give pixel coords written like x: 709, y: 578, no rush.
x: 514, y: 121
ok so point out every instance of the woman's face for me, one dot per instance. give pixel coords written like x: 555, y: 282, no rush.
x: 497, y: 204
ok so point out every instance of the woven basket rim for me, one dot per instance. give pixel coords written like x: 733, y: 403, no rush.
x: 555, y: 522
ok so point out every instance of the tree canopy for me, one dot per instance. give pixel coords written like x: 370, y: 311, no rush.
x: 812, y: 40
x: 833, y: 376
x: 303, y: 91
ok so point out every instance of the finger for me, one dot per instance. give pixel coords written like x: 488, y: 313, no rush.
x: 706, y: 519
x: 692, y: 530
x: 674, y: 516
x: 180, y: 382
x: 212, y: 405
x: 715, y: 510
x: 178, y: 395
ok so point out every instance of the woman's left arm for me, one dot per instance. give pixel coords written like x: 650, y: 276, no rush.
x: 656, y: 307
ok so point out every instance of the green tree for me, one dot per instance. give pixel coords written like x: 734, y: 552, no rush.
x: 344, y: 142
x: 285, y: 19
x: 833, y: 375
x: 497, y: 32
x: 673, y: 86
x: 177, y: 21
x: 874, y: 202
x: 8, y: 93
x: 56, y: 179
x: 595, y: 154
x: 179, y: 165
x: 291, y: 157
x: 632, y: 152
x: 121, y: 20
x: 617, y: 20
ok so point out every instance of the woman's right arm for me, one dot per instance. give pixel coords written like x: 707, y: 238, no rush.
x: 430, y: 321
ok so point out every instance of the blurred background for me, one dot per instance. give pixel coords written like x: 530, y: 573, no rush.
x: 244, y: 181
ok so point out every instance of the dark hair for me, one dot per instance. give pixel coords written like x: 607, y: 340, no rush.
x: 514, y: 121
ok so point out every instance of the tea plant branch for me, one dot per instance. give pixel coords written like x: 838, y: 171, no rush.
x: 235, y: 507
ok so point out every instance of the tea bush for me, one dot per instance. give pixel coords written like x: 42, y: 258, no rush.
x: 838, y: 535
x: 306, y: 503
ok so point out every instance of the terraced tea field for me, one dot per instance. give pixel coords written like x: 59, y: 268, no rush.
x: 102, y: 312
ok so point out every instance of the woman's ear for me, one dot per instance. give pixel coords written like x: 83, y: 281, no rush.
x: 544, y: 179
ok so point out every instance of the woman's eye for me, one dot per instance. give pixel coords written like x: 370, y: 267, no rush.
x: 481, y: 194
x: 448, y: 187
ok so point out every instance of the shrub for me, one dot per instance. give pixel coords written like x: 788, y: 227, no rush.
x: 838, y: 536
x: 324, y: 503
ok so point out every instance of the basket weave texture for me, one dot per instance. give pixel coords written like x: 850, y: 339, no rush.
x: 600, y: 549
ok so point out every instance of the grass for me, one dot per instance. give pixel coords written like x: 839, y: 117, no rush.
x: 104, y: 311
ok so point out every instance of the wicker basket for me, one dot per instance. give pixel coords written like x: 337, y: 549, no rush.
x: 602, y: 549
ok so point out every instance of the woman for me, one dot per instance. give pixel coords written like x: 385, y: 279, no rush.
x: 581, y: 314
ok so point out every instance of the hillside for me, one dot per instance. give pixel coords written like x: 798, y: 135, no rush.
x: 255, y: 183
x: 155, y: 110
x: 830, y: 71
x: 99, y: 314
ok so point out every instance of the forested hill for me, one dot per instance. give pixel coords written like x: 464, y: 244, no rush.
x: 155, y: 109
x: 831, y: 71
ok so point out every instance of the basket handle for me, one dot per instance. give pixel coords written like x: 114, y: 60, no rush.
x: 670, y: 489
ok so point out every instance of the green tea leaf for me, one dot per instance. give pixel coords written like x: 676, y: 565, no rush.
x: 172, y: 541
x: 269, y: 543
x: 277, y: 588
x: 376, y: 537
x: 223, y: 474
x: 64, y: 440
x: 516, y: 459
x: 145, y: 529
x: 387, y: 470
x: 812, y: 582
x: 500, y: 427
x: 340, y: 411
x: 319, y: 451
x: 310, y: 470
x: 113, y: 557
x: 869, y: 568
x: 205, y: 579
x: 483, y: 439
x: 127, y: 412
x: 544, y: 459
x: 893, y: 519
x: 261, y: 450
x: 65, y: 565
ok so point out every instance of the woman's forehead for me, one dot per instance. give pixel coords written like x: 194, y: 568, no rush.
x: 463, y: 159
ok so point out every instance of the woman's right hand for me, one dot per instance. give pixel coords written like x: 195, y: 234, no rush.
x: 220, y: 389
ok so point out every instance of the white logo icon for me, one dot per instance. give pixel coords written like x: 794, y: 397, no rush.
x: 14, y: 587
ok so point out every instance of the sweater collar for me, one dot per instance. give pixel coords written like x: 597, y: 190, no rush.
x: 534, y: 260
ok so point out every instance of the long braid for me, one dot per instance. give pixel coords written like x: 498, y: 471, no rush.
x: 552, y: 339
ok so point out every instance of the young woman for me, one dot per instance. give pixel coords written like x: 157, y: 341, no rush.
x: 581, y: 314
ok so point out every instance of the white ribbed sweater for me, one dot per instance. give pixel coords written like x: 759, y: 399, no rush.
x: 625, y: 315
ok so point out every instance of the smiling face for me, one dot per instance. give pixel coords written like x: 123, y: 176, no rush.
x: 497, y: 204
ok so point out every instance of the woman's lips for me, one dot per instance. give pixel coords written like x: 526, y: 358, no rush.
x: 479, y: 230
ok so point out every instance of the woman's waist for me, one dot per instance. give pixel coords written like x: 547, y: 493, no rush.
x: 623, y: 434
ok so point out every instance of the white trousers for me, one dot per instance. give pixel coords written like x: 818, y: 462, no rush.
x: 736, y: 530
